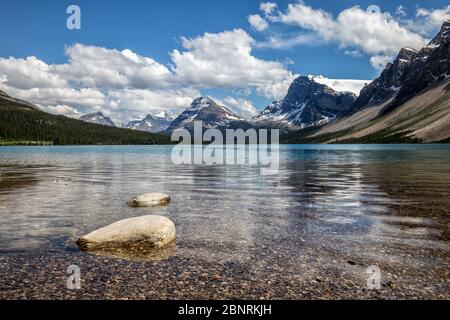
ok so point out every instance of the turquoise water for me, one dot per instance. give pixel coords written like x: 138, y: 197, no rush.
x: 335, y: 196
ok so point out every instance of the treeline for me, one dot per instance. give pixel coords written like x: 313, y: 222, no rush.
x: 23, y: 124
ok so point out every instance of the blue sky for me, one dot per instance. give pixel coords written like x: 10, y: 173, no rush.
x: 294, y: 37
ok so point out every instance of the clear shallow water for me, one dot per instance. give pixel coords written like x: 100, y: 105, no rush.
x: 379, y: 202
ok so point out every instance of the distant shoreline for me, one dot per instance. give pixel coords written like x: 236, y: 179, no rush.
x: 51, y: 144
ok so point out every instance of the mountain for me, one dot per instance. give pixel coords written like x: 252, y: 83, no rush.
x: 6, y: 100
x: 97, y: 118
x: 306, y: 104
x: 268, y: 113
x: 388, y: 83
x: 429, y: 66
x: 206, y: 110
x: 408, y: 102
x: 152, y: 123
x: 22, y: 123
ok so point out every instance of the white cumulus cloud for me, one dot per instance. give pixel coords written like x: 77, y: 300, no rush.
x: 435, y: 17
x: 224, y: 60
x: 240, y: 106
x: 101, y: 67
x: 268, y: 8
x: 61, y: 110
x: 120, y: 84
x: 349, y: 85
x: 123, y: 84
x: 379, y: 62
x: 257, y: 22
x: 29, y: 73
x: 355, y: 30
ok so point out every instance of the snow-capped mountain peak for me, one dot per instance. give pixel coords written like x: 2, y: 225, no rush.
x: 164, y: 115
x: 272, y: 110
x: 97, y: 118
x: 307, y: 103
x: 206, y: 110
x: 152, y: 122
x: 200, y: 103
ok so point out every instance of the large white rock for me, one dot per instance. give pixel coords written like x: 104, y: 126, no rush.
x: 156, y: 231
x: 149, y: 200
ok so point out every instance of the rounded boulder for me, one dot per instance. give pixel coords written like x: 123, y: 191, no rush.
x: 152, y: 230
x: 149, y: 200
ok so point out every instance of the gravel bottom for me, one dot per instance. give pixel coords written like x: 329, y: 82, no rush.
x: 314, y: 274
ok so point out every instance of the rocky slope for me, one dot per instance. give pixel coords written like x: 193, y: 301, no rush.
x: 388, y: 83
x: 97, y: 118
x: 206, y: 110
x: 306, y: 104
x: 429, y: 66
x: 424, y: 118
x: 152, y: 122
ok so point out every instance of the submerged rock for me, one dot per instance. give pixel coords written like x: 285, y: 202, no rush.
x: 154, y: 231
x: 136, y: 252
x: 150, y: 200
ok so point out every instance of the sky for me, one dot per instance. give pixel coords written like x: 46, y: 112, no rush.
x: 131, y: 58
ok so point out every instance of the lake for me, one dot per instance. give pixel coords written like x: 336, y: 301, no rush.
x: 310, y: 231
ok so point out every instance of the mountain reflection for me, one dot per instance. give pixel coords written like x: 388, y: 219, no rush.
x: 333, y: 197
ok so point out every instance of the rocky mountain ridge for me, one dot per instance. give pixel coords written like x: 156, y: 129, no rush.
x: 98, y: 118
x: 307, y: 104
x: 206, y: 110
x: 158, y: 122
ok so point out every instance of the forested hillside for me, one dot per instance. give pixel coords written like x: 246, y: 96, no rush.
x: 24, y: 125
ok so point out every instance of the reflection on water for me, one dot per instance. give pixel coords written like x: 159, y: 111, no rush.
x: 329, y: 196
x: 136, y: 252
